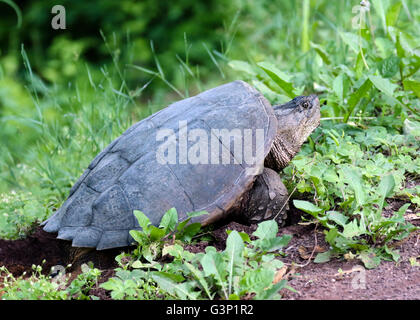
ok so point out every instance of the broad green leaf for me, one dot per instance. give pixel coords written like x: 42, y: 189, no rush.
x: 234, y: 246
x: 244, y: 236
x: 322, y: 53
x: 214, y: 265
x: 307, y: 206
x: 323, y: 257
x: 200, y: 277
x: 351, y: 230
x: 156, y: 233
x: 196, y: 214
x: 386, y: 187
x: 270, y: 94
x: 256, y: 280
x: 392, y: 14
x: 266, y: 230
x: 412, y: 128
x: 356, y: 96
x: 353, y: 41
x: 337, y: 217
x: 279, y: 77
x: 169, y: 220
x: 178, y: 252
x: 172, y: 276
x: 190, y: 231
x: 272, y: 292
x: 143, y: 220
x: 383, y: 85
x: 355, y: 182
x: 393, y: 253
x: 234, y: 250
x: 389, y: 66
x: 138, y: 236
x: 181, y: 290
x: 242, y: 66
x: 414, y: 86
x: 369, y: 259
x: 278, y: 243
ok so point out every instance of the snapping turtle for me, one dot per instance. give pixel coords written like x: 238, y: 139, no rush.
x: 214, y: 152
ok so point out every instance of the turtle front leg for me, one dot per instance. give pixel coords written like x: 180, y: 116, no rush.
x: 266, y: 200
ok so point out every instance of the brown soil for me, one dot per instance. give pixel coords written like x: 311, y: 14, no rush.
x: 331, y: 280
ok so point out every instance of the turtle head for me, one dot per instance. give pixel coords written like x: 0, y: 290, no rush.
x: 296, y: 120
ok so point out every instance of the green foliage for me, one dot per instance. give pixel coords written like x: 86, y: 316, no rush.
x: 42, y: 287
x: 244, y: 268
x: 351, y: 175
x: 150, y: 239
x: 131, y: 285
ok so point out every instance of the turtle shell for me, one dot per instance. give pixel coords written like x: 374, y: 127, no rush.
x: 129, y: 175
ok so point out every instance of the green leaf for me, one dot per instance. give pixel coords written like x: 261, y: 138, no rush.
x: 196, y: 214
x: 190, y: 231
x: 199, y: 276
x: 355, y: 181
x: 369, y: 259
x: 322, y: 53
x: 143, y: 220
x: 383, y: 85
x: 245, y: 236
x: 234, y: 246
x: 337, y: 217
x: 272, y: 292
x: 234, y: 250
x: 213, y: 265
x: 278, y: 243
x: 279, y: 77
x: 256, y: 281
x: 352, y: 40
x: 356, y: 96
x: 307, y: 207
x: 414, y: 86
x: 323, y: 257
x: 385, y: 189
x: 181, y: 290
x: 393, y: 253
x: 242, y: 66
x: 351, y: 230
x: 392, y: 14
x: 266, y: 230
x: 156, y: 234
x: 169, y: 220
x: 389, y: 66
x: 138, y: 236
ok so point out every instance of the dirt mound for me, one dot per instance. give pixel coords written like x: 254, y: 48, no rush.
x: 19, y: 255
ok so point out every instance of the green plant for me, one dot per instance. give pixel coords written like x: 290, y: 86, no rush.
x: 150, y: 239
x: 351, y: 175
x: 244, y: 268
x: 42, y: 287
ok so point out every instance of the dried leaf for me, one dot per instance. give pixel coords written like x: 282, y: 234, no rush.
x: 280, y: 274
